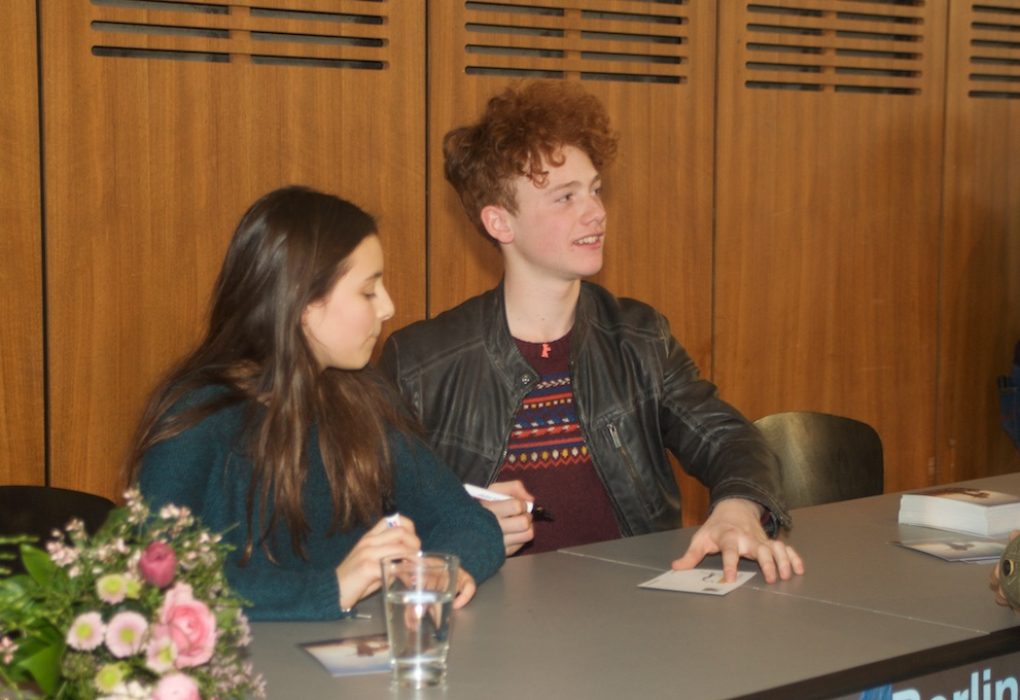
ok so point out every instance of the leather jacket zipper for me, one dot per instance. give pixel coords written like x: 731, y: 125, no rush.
x: 631, y: 469
x: 525, y: 382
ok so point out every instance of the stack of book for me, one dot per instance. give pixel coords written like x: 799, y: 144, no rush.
x: 971, y: 510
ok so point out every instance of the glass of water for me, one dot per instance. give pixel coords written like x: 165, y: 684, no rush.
x: 418, y: 593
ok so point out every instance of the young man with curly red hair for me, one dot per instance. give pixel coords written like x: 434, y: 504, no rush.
x: 548, y: 388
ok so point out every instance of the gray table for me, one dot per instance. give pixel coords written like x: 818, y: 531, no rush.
x: 574, y: 624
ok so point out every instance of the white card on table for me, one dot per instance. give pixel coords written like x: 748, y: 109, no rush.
x: 349, y: 656
x: 708, y: 581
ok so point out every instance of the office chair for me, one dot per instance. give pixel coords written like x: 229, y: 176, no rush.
x: 824, y: 457
x: 38, y: 510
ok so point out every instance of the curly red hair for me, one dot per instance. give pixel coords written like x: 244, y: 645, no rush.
x: 522, y: 129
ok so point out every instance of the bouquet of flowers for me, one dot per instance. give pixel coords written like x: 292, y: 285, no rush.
x: 142, y: 609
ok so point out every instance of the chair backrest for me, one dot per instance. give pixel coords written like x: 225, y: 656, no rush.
x: 38, y: 510
x: 823, y: 457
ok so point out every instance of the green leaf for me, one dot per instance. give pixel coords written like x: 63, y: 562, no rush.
x: 50, y: 634
x: 44, y: 666
x: 38, y: 564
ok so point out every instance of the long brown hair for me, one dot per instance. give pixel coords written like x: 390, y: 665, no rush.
x: 288, y: 251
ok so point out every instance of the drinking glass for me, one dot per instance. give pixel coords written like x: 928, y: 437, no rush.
x: 418, y: 593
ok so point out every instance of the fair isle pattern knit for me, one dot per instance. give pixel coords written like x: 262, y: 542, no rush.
x: 546, y: 433
x: 547, y: 452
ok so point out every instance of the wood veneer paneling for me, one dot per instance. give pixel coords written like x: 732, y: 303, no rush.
x: 829, y: 293
x: 22, y: 442
x: 980, y: 301
x: 163, y: 121
x: 652, y: 64
x: 828, y: 178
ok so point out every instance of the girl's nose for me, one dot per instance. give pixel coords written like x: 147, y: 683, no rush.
x: 384, y: 304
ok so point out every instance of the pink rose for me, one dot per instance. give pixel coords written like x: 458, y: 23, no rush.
x: 191, y: 626
x: 158, y: 564
x: 176, y: 686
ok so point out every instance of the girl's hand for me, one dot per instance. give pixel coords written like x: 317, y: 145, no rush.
x: 359, y: 573
x: 466, y: 588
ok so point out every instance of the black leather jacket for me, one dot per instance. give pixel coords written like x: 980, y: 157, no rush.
x: 637, y: 393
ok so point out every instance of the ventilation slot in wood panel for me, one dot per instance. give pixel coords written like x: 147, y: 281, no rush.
x: 842, y: 46
x: 647, y: 43
x: 351, y: 36
x: 995, y: 50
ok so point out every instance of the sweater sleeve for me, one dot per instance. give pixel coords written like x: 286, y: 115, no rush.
x: 446, y: 518
x: 198, y: 469
x: 276, y: 593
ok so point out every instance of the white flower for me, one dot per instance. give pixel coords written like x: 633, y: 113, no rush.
x: 86, y: 632
x: 110, y: 676
x: 76, y: 527
x: 62, y: 555
x: 125, y: 634
x: 182, y: 514
x: 161, y: 652
x: 138, y: 512
x: 111, y: 588
x: 7, y: 649
x: 244, y: 629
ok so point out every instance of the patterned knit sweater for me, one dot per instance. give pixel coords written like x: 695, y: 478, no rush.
x: 548, y: 453
x: 205, y: 469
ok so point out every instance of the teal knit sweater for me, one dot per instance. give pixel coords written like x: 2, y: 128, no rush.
x: 205, y: 469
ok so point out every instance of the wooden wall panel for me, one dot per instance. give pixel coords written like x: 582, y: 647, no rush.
x: 22, y: 443
x: 163, y: 121
x: 980, y: 302
x: 652, y: 64
x: 829, y: 154
x: 852, y: 272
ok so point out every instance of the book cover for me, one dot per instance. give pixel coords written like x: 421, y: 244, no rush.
x: 963, y: 549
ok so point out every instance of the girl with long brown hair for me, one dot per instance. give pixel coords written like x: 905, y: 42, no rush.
x: 274, y: 430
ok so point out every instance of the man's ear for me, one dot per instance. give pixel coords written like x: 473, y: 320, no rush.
x: 496, y: 220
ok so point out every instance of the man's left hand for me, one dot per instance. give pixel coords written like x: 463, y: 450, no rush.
x: 734, y: 529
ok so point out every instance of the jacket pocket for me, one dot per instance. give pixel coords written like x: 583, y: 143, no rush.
x: 632, y: 471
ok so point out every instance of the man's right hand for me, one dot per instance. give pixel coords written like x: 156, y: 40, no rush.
x: 512, y: 514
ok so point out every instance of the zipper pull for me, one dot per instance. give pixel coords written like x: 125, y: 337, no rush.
x: 617, y: 443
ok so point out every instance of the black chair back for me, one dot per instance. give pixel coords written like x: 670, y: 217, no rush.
x: 38, y: 510
x: 824, y: 457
